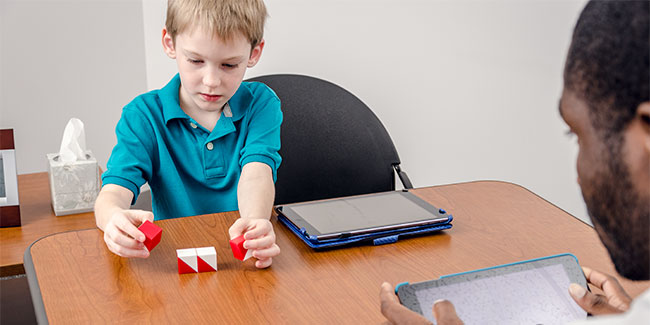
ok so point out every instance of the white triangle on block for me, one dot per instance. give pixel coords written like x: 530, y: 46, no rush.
x: 209, y: 255
x: 188, y: 255
x: 249, y: 254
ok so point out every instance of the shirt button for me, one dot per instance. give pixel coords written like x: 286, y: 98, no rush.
x: 193, y: 125
x: 209, y: 146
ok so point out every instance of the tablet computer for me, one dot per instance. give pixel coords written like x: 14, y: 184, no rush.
x: 355, y: 215
x: 529, y: 292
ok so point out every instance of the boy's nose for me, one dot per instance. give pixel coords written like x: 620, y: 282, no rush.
x: 212, y: 79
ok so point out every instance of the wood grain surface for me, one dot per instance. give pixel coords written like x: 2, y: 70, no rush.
x: 37, y: 218
x: 494, y: 223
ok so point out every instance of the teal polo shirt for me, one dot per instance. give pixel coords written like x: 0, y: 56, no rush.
x: 190, y: 170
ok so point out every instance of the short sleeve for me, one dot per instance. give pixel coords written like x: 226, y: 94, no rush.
x: 263, y: 138
x: 130, y: 164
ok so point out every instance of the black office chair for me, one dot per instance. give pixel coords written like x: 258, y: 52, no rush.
x: 333, y: 145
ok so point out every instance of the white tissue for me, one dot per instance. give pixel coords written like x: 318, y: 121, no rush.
x: 73, y: 145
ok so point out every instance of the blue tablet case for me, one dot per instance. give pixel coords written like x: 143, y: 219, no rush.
x: 377, y: 238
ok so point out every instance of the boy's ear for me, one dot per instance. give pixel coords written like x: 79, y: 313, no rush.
x: 168, y: 44
x: 256, y: 53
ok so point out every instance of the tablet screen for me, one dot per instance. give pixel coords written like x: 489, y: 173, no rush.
x: 362, y: 212
x: 525, y: 295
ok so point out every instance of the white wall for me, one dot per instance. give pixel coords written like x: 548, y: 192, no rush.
x: 67, y: 58
x: 467, y: 90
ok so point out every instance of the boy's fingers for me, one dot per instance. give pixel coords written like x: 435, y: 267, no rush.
x: 591, y: 303
x: 445, y: 313
x: 260, y: 243
x: 126, y: 241
x: 263, y: 263
x: 126, y: 252
x: 237, y: 228
x: 267, y: 253
x: 125, y: 225
x: 261, y: 227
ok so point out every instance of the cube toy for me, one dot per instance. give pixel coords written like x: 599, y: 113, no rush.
x: 207, y: 259
x: 187, y: 260
x: 152, y: 234
x: 238, y: 250
x: 194, y: 260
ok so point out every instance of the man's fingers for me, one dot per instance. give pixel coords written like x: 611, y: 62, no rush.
x: 445, y: 313
x: 394, y: 311
x: 614, y: 292
x: 591, y: 303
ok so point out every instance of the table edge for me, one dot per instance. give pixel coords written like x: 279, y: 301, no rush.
x: 32, y: 279
x: 507, y: 183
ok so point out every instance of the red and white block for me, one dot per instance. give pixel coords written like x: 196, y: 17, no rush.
x: 238, y: 250
x: 152, y: 234
x: 194, y: 260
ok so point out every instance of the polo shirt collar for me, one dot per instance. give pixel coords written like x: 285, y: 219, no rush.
x: 238, y: 104
x: 170, y: 101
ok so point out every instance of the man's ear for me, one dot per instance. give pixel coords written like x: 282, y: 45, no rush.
x: 643, y: 113
x: 168, y: 44
x: 256, y: 53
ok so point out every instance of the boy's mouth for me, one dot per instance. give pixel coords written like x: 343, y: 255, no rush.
x: 210, y: 98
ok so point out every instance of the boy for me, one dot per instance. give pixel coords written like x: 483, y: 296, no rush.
x: 207, y: 142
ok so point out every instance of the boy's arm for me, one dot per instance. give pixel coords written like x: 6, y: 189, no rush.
x: 119, y: 224
x: 255, y: 191
x: 255, y: 194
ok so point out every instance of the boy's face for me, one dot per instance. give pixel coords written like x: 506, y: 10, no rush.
x: 211, y: 69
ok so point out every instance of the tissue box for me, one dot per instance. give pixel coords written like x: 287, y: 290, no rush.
x: 74, y: 186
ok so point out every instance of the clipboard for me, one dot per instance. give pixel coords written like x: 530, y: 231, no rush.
x: 374, y: 219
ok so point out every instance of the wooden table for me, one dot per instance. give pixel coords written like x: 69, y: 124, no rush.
x: 75, y: 279
x: 38, y: 220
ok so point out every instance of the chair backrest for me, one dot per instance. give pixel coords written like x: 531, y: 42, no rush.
x: 333, y: 145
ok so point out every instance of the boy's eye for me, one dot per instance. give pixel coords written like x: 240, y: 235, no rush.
x: 193, y: 61
x: 229, y: 66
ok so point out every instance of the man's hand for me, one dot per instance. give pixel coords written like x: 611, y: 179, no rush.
x: 443, y: 311
x: 122, y: 236
x: 614, y: 301
x: 259, y: 238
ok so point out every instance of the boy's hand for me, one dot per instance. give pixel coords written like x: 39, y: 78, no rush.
x: 122, y: 235
x: 615, y: 300
x: 259, y: 238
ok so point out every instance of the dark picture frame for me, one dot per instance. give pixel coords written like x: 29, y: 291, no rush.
x: 9, y: 200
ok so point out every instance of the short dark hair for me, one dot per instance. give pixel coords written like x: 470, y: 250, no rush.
x: 608, y: 62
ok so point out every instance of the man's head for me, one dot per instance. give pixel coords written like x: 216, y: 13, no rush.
x: 606, y: 103
x: 213, y: 42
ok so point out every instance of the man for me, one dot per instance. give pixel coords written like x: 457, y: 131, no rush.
x: 606, y: 104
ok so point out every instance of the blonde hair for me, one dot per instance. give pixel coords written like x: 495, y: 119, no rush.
x: 224, y: 18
